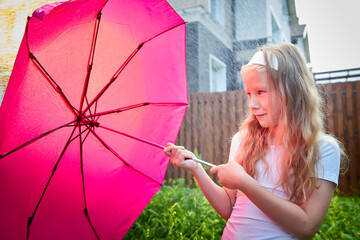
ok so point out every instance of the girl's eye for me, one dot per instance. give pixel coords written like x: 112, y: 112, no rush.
x: 260, y: 92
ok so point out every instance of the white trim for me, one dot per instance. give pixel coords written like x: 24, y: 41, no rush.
x: 218, y: 16
x: 222, y: 67
x: 200, y: 14
x: 276, y: 19
x: 305, y: 32
x: 283, y: 37
x: 276, y: 33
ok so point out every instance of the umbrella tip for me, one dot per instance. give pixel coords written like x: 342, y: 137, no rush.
x: 30, y: 220
x: 140, y: 46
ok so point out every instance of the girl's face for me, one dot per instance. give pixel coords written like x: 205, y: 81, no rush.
x: 262, y: 98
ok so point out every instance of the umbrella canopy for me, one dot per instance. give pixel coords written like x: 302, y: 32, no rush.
x: 97, y: 88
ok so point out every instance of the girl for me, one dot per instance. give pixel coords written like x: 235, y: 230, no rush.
x: 283, y: 168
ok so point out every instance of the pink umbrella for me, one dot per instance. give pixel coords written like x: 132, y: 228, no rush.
x: 98, y: 87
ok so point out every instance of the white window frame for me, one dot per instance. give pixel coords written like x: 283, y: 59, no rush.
x: 219, y: 13
x: 220, y: 73
x: 279, y: 33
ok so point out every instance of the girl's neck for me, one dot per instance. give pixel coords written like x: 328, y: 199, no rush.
x: 275, y: 138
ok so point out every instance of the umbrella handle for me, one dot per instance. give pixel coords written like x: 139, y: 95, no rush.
x: 203, y: 162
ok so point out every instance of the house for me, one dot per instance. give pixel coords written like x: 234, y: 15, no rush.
x: 222, y: 35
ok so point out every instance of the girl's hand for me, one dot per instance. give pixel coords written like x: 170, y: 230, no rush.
x: 180, y: 157
x: 231, y: 175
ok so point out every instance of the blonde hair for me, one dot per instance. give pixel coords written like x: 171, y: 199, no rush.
x: 300, y: 118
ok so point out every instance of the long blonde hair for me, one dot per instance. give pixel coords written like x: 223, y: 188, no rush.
x: 301, y: 119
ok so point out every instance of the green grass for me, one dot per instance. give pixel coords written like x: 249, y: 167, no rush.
x: 342, y: 220
x: 181, y: 212
x: 178, y: 212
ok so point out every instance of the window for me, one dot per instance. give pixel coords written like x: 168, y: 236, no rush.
x: 217, y: 9
x: 217, y: 75
x: 276, y: 33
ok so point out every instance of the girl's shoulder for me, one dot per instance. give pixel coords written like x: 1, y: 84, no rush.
x: 235, y: 144
x: 329, y: 161
x: 239, y: 135
x: 237, y: 138
x: 328, y: 142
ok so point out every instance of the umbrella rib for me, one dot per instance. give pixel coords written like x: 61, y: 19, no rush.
x: 122, y: 67
x: 155, y: 145
x: 45, y: 73
x: 78, y: 135
x: 87, y: 102
x: 135, y: 138
x: 37, y: 138
x: 113, y: 78
x: 121, y: 159
x: 51, y: 80
x: 122, y: 109
x: 31, y: 218
x: 162, y: 32
x: 87, y: 134
x: 91, y: 58
x: 109, y: 148
x: 83, y: 182
x: 95, y: 110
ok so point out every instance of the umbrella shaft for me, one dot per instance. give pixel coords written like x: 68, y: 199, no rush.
x: 203, y: 162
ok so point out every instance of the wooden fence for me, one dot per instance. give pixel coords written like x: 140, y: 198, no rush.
x: 213, y: 118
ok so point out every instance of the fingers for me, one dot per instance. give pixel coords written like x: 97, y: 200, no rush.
x: 170, y: 147
x: 181, y: 153
x: 180, y: 157
x: 214, y: 169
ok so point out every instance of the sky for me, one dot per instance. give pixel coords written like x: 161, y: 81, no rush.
x: 334, y: 32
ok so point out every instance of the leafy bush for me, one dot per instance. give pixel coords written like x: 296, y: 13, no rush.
x: 342, y: 220
x: 180, y: 212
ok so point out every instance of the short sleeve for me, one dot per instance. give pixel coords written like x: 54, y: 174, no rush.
x: 234, y: 148
x: 329, y: 164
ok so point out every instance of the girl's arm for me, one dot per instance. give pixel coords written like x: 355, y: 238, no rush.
x: 302, y: 221
x: 218, y: 197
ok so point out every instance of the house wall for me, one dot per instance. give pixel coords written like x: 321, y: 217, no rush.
x: 280, y: 11
x: 182, y: 4
x: 192, y: 57
x: 200, y: 43
x: 204, y: 37
x: 250, y: 18
x: 254, y: 19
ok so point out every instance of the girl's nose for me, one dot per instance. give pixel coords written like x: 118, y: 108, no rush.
x: 253, y: 102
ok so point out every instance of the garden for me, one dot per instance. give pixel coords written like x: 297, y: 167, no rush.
x: 178, y: 211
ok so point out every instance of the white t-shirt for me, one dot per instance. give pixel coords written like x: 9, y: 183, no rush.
x: 247, y: 221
